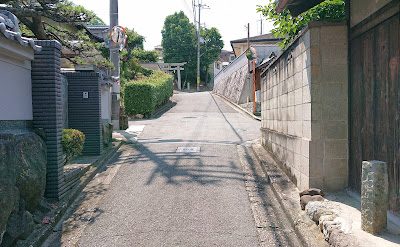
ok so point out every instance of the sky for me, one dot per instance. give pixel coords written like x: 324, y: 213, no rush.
x: 147, y: 17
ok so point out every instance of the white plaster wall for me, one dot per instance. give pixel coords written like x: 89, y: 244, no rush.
x: 16, y: 91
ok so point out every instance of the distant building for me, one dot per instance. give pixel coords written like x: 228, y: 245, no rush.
x: 159, y: 50
x: 240, y: 45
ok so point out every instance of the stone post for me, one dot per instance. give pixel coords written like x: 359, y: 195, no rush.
x: 374, y: 196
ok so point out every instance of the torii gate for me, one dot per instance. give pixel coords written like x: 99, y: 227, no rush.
x: 173, y: 67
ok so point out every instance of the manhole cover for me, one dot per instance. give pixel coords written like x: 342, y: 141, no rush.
x: 188, y: 150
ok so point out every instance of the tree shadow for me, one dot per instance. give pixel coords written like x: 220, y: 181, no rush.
x: 170, y: 166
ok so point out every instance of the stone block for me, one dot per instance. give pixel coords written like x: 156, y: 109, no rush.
x: 306, y: 130
x: 290, y: 83
x: 305, y: 148
x: 291, y: 113
x: 298, y: 64
x: 374, y: 196
x: 285, y: 127
x: 316, y: 182
x: 334, y: 130
x: 314, y: 37
x: 315, y: 130
x: 316, y: 112
x: 334, y: 92
x: 298, y: 112
x: 334, y: 35
x: 304, y: 165
x: 335, y: 111
x: 317, y: 149
x: 298, y: 96
x: 336, y: 149
x: 333, y: 54
x: 298, y: 79
x: 306, y: 112
x: 315, y: 73
x: 316, y: 167
x: 298, y: 129
x: 335, y: 168
x: 335, y: 184
x: 314, y: 56
x: 306, y: 94
x: 291, y: 98
x: 307, y: 76
x: 315, y: 93
x: 335, y: 73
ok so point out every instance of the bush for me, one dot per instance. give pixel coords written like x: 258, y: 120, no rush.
x: 143, y: 96
x: 72, y: 142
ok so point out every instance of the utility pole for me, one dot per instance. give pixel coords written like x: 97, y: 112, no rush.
x: 198, y: 51
x: 248, y: 44
x: 261, y: 27
x: 114, y: 57
x: 198, y: 45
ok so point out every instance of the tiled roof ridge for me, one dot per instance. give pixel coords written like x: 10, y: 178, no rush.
x: 18, y: 37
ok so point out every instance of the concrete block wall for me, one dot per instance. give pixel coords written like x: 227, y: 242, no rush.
x: 304, y: 107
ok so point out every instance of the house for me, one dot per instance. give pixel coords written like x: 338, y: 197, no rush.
x: 235, y: 81
x: 159, y: 50
x: 330, y: 100
x: 240, y: 45
x: 227, y: 57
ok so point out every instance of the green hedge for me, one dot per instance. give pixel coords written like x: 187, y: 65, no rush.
x: 143, y: 96
x: 72, y: 143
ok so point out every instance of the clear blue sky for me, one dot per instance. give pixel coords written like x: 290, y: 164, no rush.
x: 147, y: 17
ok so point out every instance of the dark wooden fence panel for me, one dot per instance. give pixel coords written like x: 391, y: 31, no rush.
x: 375, y: 104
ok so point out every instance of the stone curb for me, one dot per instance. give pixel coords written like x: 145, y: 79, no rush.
x: 39, y: 236
x: 237, y: 106
x: 288, y: 197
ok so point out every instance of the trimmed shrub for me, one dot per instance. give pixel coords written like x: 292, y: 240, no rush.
x: 143, y: 96
x: 72, y: 143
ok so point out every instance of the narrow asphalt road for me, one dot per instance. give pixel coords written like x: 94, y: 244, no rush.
x: 160, y: 197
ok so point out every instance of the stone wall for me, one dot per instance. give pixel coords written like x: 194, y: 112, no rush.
x: 304, y: 107
x: 23, y: 181
x: 231, y: 81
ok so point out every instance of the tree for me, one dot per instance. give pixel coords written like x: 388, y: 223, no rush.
x: 210, y: 49
x: 179, y: 43
x: 43, y: 19
x: 132, y: 55
x: 288, y: 26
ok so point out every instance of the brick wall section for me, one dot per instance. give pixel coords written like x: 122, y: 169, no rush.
x: 47, y: 111
x: 85, y: 114
x: 304, y: 107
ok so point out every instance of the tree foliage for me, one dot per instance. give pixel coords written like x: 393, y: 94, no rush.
x: 288, y: 26
x: 179, y: 41
x: 132, y: 55
x: 59, y: 20
x: 210, y: 49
